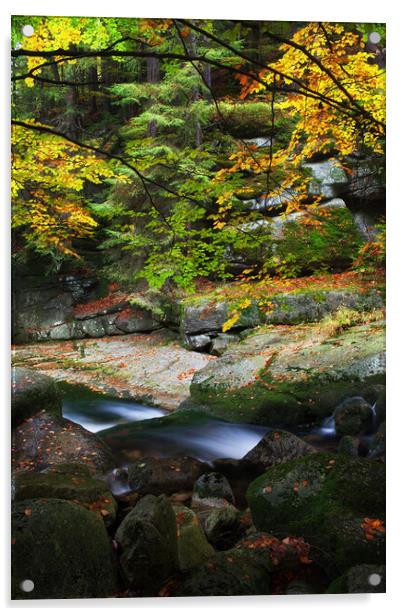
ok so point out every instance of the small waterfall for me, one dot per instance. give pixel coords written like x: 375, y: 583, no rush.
x: 328, y: 426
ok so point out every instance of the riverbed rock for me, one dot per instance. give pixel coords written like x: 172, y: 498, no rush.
x: 223, y: 526
x: 337, y: 503
x: 164, y: 475
x: 43, y: 441
x: 222, y: 342
x: 349, y: 445
x: 212, y: 490
x: 148, y: 545
x: 296, y: 380
x: 377, y: 446
x: 63, y: 548
x: 72, y: 482
x: 32, y: 392
x: 353, y: 416
x: 277, y: 447
x: 193, y: 547
x: 357, y: 580
x: 200, y: 342
x: 134, y: 320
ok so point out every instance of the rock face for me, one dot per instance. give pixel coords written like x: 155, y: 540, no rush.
x: 43, y: 441
x: 277, y: 447
x: 193, y: 547
x: 32, y: 392
x: 72, y: 482
x: 212, y: 490
x: 353, y: 416
x: 207, y: 318
x: 289, y: 376
x: 165, y: 475
x: 148, y: 545
x: 63, y: 549
x: 337, y: 503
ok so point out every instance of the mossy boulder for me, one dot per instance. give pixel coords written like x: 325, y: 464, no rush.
x: 72, y: 482
x: 63, y: 548
x: 193, y: 547
x: 331, y: 501
x: 212, y: 490
x: 148, y: 545
x: 223, y: 526
x: 32, y: 392
x: 353, y: 416
x: 290, y: 376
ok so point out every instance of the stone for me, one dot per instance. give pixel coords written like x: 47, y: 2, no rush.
x: 134, y: 320
x: 222, y: 343
x: 212, y: 490
x: 44, y: 441
x: 72, y: 482
x: 353, y: 416
x: 193, y: 547
x: 328, y: 177
x: 328, y: 501
x: 201, y: 342
x: 94, y: 328
x: 32, y: 392
x: 277, y: 447
x: 360, y: 579
x: 164, y: 475
x: 349, y: 445
x: 223, y: 526
x: 377, y: 446
x: 203, y: 317
x: 148, y: 545
x: 63, y: 548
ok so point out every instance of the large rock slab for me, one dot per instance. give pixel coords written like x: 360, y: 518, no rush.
x: 290, y: 376
x: 63, y: 548
x: 31, y: 392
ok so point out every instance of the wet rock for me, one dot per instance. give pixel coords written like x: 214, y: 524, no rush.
x: 277, y: 447
x: 212, y: 490
x: 32, y: 392
x: 332, y: 501
x: 353, y: 416
x: 201, y: 342
x: 43, y: 441
x: 223, y: 526
x: 72, y: 482
x: 164, y: 475
x: 193, y: 547
x: 63, y: 548
x: 299, y: 587
x: 359, y: 579
x: 148, y: 545
x: 349, y: 445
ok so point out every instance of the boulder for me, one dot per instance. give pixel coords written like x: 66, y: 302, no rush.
x: 222, y: 343
x: 193, y: 547
x: 43, y: 441
x: 353, y: 416
x: 32, y: 392
x: 337, y: 503
x: 223, y: 526
x: 277, y: 447
x: 377, y: 446
x: 134, y: 320
x: 201, y: 342
x: 164, y: 475
x: 63, y: 548
x: 349, y: 445
x: 212, y: 490
x: 72, y: 482
x: 148, y: 545
x: 359, y: 579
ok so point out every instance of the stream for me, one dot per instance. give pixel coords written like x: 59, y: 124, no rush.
x: 142, y: 430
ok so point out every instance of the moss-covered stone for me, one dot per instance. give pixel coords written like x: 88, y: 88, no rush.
x: 63, y: 549
x: 72, y: 482
x: 193, y: 547
x: 357, y: 580
x: 33, y: 392
x: 326, y: 500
